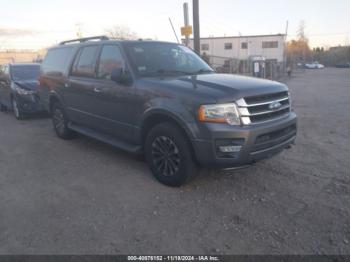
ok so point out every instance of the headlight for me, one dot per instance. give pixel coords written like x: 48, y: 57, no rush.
x: 220, y: 113
x: 22, y: 91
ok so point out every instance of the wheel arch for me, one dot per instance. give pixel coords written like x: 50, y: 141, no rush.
x: 162, y: 116
x: 53, y: 98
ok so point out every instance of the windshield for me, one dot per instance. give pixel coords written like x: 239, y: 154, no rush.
x: 24, y: 72
x: 153, y: 59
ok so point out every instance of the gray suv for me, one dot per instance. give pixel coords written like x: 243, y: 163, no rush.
x: 163, y: 100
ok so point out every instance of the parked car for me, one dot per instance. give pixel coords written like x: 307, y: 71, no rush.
x: 344, y: 65
x: 163, y: 100
x: 19, y: 89
x: 314, y: 65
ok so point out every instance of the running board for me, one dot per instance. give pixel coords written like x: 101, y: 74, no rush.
x: 108, y: 139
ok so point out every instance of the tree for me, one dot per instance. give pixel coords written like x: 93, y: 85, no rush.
x: 121, y: 32
x: 298, y: 50
x: 301, y: 31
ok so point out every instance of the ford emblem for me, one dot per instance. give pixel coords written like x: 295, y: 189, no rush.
x: 275, y: 105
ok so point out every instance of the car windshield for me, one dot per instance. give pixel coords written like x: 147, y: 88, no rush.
x: 24, y: 72
x: 154, y: 59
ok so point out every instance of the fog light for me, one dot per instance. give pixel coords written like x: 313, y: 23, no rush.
x: 230, y: 149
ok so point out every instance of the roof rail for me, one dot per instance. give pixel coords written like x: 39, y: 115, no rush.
x: 85, y: 39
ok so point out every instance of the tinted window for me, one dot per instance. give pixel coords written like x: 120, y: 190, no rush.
x: 25, y: 72
x: 56, y: 61
x: 149, y: 59
x: 110, y: 59
x: 84, y: 64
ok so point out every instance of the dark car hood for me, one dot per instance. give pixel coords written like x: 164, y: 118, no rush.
x: 221, y: 87
x: 30, y: 85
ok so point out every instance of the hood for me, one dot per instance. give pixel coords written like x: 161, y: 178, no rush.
x: 30, y: 85
x: 221, y: 87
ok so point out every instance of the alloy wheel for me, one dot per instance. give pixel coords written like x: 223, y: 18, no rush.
x: 58, y: 121
x: 165, y: 154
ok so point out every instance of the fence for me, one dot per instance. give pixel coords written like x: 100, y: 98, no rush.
x: 270, y: 69
x: 18, y: 57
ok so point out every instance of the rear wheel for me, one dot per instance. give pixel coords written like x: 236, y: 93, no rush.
x: 169, y: 155
x: 17, y: 110
x: 60, y: 122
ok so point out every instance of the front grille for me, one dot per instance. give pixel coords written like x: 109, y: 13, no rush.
x: 263, y: 108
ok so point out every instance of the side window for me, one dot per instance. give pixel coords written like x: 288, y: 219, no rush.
x: 84, y: 64
x: 111, y: 58
x: 56, y: 61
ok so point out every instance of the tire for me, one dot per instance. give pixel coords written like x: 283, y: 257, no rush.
x: 169, y: 155
x: 60, y: 122
x: 17, y: 112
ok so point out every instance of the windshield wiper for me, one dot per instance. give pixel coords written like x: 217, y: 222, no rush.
x: 166, y: 71
x: 169, y: 71
x: 203, y: 70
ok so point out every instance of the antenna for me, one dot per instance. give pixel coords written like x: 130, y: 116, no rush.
x: 171, y: 23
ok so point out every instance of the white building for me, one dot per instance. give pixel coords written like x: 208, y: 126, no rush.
x: 259, y: 55
x: 271, y: 47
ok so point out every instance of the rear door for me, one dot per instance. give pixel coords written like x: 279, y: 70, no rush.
x: 79, y: 93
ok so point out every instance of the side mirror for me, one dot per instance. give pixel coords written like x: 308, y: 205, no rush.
x: 120, y: 76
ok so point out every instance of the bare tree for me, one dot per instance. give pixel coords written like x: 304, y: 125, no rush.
x: 121, y: 32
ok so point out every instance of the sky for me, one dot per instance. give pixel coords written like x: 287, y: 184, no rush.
x: 37, y: 24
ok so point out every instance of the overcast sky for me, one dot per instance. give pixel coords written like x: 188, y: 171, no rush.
x: 38, y: 23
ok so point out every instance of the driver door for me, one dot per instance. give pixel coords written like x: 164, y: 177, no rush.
x: 114, y: 103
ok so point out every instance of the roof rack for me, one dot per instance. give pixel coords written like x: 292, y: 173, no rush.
x: 85, y: 39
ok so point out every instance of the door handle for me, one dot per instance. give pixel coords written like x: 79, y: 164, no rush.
x: 97, y: 90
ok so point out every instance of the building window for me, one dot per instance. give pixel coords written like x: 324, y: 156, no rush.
x: 244, y: 45
x: 205, y: 47
x: 228, y: 46
x: 269, y: 44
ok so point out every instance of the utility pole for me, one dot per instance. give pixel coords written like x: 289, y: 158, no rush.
x: 186, y: 23
x: 285, y: 48
x: 196, y: 30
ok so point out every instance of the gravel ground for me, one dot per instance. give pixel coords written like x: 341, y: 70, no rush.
x: 85, y: 197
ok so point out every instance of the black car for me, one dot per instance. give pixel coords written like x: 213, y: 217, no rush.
x: 163, y: 100
x: 19, y: 89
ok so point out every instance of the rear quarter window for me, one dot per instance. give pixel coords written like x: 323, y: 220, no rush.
x: 56, y: 61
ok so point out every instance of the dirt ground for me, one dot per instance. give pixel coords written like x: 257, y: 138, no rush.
x: 85, y: 197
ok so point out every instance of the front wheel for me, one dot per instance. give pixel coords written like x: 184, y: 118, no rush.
x: 60, y: 122
x: 169, y: 155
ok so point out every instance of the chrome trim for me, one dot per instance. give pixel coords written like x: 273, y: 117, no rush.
x: 245, y: 115
x: 242, y: 103
x: 266, y: 112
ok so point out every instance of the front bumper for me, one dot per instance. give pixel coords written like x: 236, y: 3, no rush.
x: 258, y: 142
x: 29, y: 103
